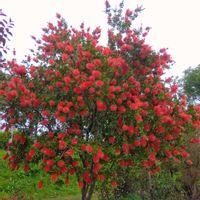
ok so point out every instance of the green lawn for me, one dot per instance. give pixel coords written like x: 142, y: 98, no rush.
x: 20, y: 184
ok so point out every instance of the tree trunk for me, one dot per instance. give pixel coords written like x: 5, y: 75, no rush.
x: 88, y: 190
x: 149, y: 182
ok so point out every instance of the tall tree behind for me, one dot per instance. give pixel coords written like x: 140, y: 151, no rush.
x: 5, y: 26
x: 191, y: 84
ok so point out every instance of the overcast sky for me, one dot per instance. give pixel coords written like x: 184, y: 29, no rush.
x: 174, y: 23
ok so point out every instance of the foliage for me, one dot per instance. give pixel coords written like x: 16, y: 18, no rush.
x: 5, y: 33
x: 23, y: 185
x: 191, y: 84
x: 191, y: 174
x: 4, y: 138
x: 89, y: 110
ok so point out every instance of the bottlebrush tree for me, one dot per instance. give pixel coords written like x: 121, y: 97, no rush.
x: 87, y: 110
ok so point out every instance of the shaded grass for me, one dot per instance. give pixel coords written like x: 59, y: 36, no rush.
x: 18, y: 183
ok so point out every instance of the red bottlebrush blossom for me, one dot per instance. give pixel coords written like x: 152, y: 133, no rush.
x: 64, y: 57
x: 137, y: 143
x: 100, y: 154
x: 101, y: 177
x: 96, y: 159
x: 26, y: 168
x: 54, y: 177
x: 111, y: 140
x: 114, y: 184
x: 69, y: 49
x: 113, y: 107
x: 99, y: 83
x: 76, y: 72
x: 152, y: 158
x: 48, y: 152
x: 90, y: 66
x: 45, y: 122
x: 62, y: 145
x: 61, y: 163
x: 40, y: 185
x: 51, y: 61
x: 101, y: 106
x: 125, y: 148
x: 195, y: 140
x: 97, y: 62
x: 107, y: 52
x: 168, y: 154
x: 138, y: 118
x: 50, y: 134
x: 74, y: 142
x: 69, y: 152
x: 6, y: 156
x: 88, y: 148
x: 50, y: 163
x: 189, y: 162
x: 80, y: 184
x: 67, y: 182
x: 45, y: 113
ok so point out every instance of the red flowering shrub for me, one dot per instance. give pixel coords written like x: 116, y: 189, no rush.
x: 90, y: 109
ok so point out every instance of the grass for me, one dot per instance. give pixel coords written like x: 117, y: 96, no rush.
x: 20, y: 184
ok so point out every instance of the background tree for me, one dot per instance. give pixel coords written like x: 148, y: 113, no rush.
x: 191, y: 84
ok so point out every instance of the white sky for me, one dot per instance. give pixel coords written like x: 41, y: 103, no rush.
x: 175, y: 23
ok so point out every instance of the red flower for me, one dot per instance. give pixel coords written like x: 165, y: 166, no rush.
x: 195, y: 140
x: 45, y: 122
x: 99, y: 83
x: 80, y: 184
x: 26, y: 168
x: 51, y: 61
x: 101, y: 106
x: 125, y: 148
x: 76, y: 72
x: 95, y: 159
x: 61, y: 145
x: 100, y: 154
x: 88, y: 148
x: 137, y: 143
x: 49, y: 163
x: 114, y: 184
x: 64, y: 57
x: 69, y: 49
x: 152, y: 137
x: 152, y: 158
x: 138, y: 118
x: 40, y: 185
x: 111, y: 140
x: 133, y: 106
x: 6, y: 156
x: 101, y: 177
x: 69, y: 152
x: 113, y: 107
x: 61, y: 163
x: 96, y: 73
x: 54, y: 177
x: 67, y: 182
x: 189, y: 162
x: 97, y: 62
x: 74, y: 142
x: 90, y: 66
